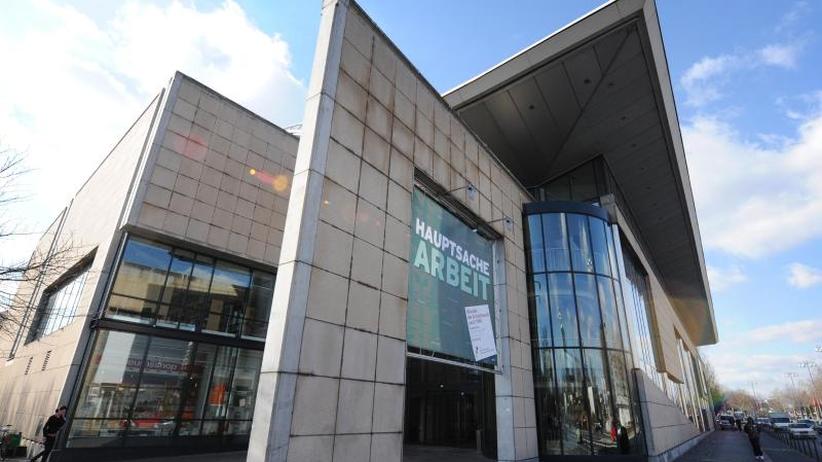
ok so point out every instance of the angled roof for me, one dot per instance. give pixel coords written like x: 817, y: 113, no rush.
x: 600, y: 87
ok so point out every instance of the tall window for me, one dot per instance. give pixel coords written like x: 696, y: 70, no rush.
x: 582, y: 389
x: 168, y: 287
x: 142, y: 386
x: 59, y: 305
x: 638, y: 299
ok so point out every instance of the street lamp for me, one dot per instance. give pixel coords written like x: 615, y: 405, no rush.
x: 809, y: 365
x: 792, y: 375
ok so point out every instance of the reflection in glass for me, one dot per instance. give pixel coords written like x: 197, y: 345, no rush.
x: 165, y: 371
x: 556, y: 238
x: 563, y: 309
x: 142, y: 386
x: 244, y: 385
x: 541, y: 315
x: 609, y: 237
x: 575, y: 421
x: 547, y: 404
x: 114, y: 370
x: 259, y: 306
x: 581, y: 256
x: 600, y: 246
x: 590, y: 321
x: 217, y: 402
x: 622, y: 396
x: 178, y: 289
x: 143, y: 269
x: 229, y: 289
x: 577, y: 299
x: 599, y: 401
x: 610, y: 319
x: 131, y: 309
x: 535, y: 244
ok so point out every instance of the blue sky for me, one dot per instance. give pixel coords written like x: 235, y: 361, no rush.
x: 746, y: 77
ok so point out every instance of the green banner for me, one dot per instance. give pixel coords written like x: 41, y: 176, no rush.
x: 450, y: 285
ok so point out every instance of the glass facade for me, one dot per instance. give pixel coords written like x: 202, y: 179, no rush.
x: 140, y: 386
x: 181, y: 363
x: 580, y: 347
x: 163, y: 286
x: 59, y: 306
x: 638, y: 298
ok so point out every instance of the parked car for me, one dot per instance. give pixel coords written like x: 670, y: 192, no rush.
x: 801, y: 430
x: 780, y: 423
x: 727, y: 422
x: 762, y: 422
x: 818, y: 427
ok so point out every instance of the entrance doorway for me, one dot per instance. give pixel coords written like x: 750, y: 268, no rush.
x: 450, y: 413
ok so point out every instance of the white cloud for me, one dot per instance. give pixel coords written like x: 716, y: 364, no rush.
x: 780, y: 55
x: 705, y: 80
x: 72, y: 86
x: 740, y: 369
x: 700, y: 80
x: 763, y: 354
x: 753, y: 198
x: 804, y: 276
x: 723, y: 278
x: 809, y: 330
x: 797, y: 11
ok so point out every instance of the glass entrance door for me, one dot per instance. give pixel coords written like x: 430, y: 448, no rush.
x: 449, y: 406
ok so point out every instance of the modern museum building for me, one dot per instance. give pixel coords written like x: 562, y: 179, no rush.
x: 508, y: 271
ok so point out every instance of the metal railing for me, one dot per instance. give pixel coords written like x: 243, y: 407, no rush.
x: 807, y: 446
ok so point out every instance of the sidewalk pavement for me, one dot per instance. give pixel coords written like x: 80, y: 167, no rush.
x: 237, y: 456
x: 733, y: 446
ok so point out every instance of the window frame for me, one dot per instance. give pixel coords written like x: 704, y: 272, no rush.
x: 199, y: 256
x: 39, y: 327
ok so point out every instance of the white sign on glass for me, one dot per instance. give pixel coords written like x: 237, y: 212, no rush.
x: 481, y: 331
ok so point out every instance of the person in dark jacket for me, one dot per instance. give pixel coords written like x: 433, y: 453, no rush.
x: 753, y: 437
x: 623, y: 441
x: 50, y: 430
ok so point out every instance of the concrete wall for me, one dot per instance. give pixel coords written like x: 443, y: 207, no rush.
x: 217, y: 176
x: 182, y: 171
x: 333, y: 374
x: 665, y: 426
x: 87, y: 225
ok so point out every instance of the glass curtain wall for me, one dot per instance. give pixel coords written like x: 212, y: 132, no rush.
x: 59, y: 306
x: 638, y: 298
x: 182, y: 364
x: 163, y: 286
x: 140, y: 386
x: 579, y: 337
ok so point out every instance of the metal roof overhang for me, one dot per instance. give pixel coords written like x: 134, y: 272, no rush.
x: 600, y: 87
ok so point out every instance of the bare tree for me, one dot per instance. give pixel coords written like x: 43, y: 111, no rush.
x: 715, y: 390
x: 21, y: 281
x: 741, y: 400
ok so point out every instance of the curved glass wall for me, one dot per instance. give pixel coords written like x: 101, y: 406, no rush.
x: 579, y: 335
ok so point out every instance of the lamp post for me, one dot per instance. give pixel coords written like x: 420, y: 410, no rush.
x: 809, y: 365
x: 792, y: 375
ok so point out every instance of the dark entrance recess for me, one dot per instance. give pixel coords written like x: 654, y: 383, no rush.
x: 449, y: 410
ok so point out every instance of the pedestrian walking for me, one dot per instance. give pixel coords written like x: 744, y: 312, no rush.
x: 753, y: 436
x: 50, y: 430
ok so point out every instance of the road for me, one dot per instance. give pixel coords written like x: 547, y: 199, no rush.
x: 733, y: 446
